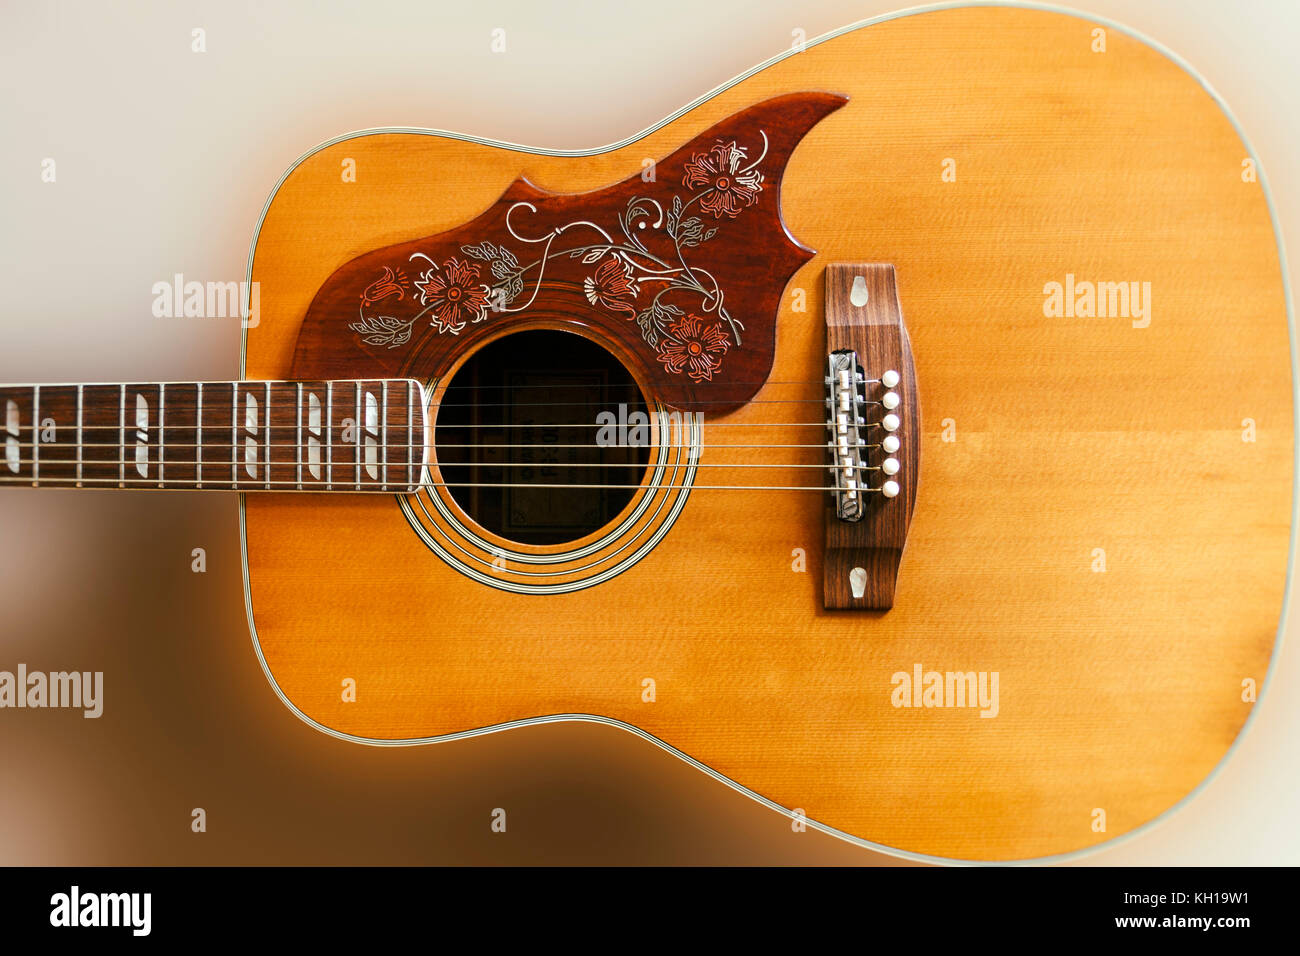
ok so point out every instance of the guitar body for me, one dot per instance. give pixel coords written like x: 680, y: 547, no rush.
x: 1105, y: 501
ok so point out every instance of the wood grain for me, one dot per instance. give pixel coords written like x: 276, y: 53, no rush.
x: 1092, y: 525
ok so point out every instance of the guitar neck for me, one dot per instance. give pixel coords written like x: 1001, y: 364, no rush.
x: 347, y: 436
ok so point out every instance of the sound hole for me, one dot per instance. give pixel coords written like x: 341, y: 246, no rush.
x: 519, y: 443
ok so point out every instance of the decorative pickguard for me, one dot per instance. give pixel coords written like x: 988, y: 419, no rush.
x: 683, y: 264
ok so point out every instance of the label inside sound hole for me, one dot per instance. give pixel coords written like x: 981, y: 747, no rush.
x: 544, y: 440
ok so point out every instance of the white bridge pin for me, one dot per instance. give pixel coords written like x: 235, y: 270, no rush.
x: 858, y: 294
x: 889, y: 466
x: 890, y: 444
x: 858, y: 582
x: 890, y: 400
x: 889, y: 489
x: 891, y: 423
x: 889, y: 379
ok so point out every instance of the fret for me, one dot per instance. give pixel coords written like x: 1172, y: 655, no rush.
x: 298, y: 441
x: 198, y: 437
x: 234, y: 436
x: 36, y: 437
x: 155, y: 435
x: 81, y: 404
x: 121, y: 458
x: 266, y: 413
x: 162, y: 434
x: 329, y: 436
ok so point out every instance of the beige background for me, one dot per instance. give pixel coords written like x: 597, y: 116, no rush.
x: 164, y: 159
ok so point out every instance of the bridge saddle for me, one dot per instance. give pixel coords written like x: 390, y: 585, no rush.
x: 851, y: 442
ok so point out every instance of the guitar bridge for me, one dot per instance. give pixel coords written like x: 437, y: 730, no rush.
x: 873, y: 420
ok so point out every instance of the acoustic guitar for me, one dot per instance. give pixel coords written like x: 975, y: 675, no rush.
x: 902, y: 433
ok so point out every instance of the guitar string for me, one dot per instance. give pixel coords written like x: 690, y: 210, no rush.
x: 57, y: 446
x: 455, y: 388
x: 699, y: 401
x: 132, y: 427
x: 131, y: 463
x: 395, y: 487
x: 400, y: 445
x: 292, y: 402
x: 232, y: 483
x: 292, y: 385
x: 344, y: 484
x: 432, y: 446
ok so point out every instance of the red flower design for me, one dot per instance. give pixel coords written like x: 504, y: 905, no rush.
x: 454, y: 295
x: 390, y: 283
x: 730, y: 188
x: 694, y: 348
x: 611, y: 287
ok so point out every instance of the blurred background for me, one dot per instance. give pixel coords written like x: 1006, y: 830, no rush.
x: 164, y: 158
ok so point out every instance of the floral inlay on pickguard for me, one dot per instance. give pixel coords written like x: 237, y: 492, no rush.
x: 650, y: 265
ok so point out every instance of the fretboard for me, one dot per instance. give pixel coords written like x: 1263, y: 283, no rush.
x: 345, y: 436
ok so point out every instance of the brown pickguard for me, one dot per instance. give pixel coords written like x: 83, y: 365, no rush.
x: 661, y: 263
